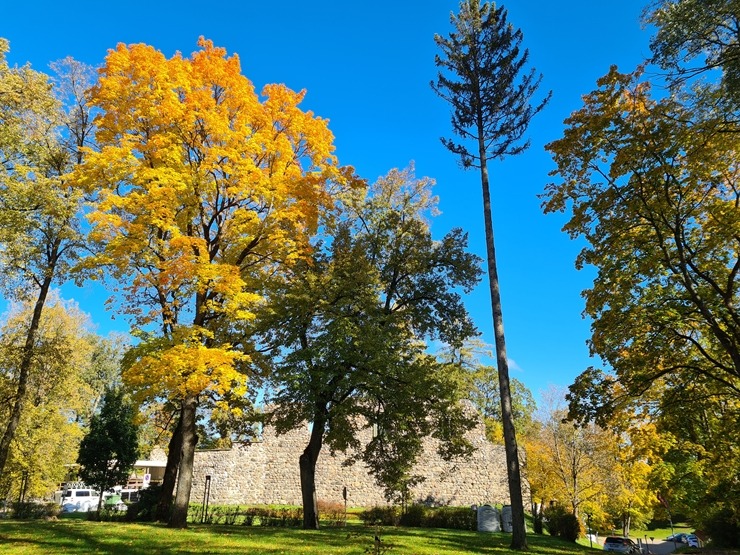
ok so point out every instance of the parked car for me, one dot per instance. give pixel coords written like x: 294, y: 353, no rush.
x: 692, y: 540
x: 620, y: 545
x: 79, y: 500
x: 680, y: 537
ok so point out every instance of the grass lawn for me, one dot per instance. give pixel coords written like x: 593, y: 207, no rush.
x: 83, y: 537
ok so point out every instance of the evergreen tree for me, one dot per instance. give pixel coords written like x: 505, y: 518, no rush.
x: 110, y: 448
x: 483, y: 77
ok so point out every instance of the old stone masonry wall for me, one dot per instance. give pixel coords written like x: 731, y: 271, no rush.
x: 266, y: 472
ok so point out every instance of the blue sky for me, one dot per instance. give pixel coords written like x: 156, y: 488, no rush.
x: 366, y: 67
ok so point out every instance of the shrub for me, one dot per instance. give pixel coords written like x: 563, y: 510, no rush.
x: 331, y: 514
x: 570, y: 527
x: 380, y: 516
x: 145, y: 508
x: 456, y: 518
x: 107, y: 514
x: 561, y: 523
x: 421, y: 516
x: 282, y: 517
x: 215, y: 514
x: 722, y: 528
x: 413, y: 516
x: 35, y: 510
x: 250, y: 515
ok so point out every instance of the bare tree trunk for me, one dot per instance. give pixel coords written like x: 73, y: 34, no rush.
x: 170, y: 473
x: 519, y: 532
x: 626, y: 524
x: 179, y: 516
x: 24, y: 371
x: 307, y: 464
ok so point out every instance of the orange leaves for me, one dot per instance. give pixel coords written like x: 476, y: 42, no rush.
x: 204, y: 191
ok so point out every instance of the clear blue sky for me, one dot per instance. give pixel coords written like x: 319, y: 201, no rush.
x: 367, y: 67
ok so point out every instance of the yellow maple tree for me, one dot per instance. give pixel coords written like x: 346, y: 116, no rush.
x: 204, y: 188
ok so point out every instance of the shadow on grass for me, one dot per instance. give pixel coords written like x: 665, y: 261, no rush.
x: 78, y: 537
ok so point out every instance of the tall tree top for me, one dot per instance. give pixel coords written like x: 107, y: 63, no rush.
x: 484, y: 77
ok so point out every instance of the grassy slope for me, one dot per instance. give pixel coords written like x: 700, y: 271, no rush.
x: 81, y: 537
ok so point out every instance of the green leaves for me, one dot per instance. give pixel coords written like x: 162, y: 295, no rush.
x: 652, y: 185
x: 485, y: 79
x: 350, y: 329
x: 109, y: 450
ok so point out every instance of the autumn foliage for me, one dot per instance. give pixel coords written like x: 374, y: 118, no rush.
x: 205, y: 190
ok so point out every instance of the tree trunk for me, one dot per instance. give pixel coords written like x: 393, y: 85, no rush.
x: 24, y: 371
x: 519, y: 532
x: 307, y: 464
x: 170, y: 473
x: 100, y: 500
x: 626, y: 524
x: 179, y: 516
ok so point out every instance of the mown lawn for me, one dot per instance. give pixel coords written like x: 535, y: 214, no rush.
x: 83, y: 537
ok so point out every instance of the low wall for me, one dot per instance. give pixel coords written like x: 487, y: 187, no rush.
x: 266, y: 472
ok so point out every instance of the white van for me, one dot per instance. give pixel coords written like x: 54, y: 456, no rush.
x: 79, y: 499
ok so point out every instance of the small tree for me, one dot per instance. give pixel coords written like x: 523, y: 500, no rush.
x: 109, y: 450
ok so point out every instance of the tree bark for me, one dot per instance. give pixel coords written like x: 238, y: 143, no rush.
x: 24, y: 371
x: 164, y: 506
x: 307, y: 464
x: 519, y: 532
x: 179, y: 516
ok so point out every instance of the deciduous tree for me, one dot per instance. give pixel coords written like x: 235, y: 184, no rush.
x: 57, y: 393
x: 486, y: 396
x: 205, y: 190
x: 349, y: 331
x: 40, y: 238
x: 652, y: 186
x: 653, y: 190
x: 697, y: 36
x: 484, y: 77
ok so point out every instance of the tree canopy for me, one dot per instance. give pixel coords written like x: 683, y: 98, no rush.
x: 204, y: 190
x: 695, y: 37
x: 651, y: 183
x: 40, y: 235
x: 59, y: 392
x: 348, y: 330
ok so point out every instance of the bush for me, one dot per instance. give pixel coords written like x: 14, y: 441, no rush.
x: 455, y: 518
x: 35, y: 510
x: 331, y: 514
x: 722, y: 528
x: 570, y: 527
x: 537, y: 524
x: 414, y: 516
x: 380, y: 516
x: 216, y: 514
x: 107, y: 514
x: 421, y: 516
x: 144, y: 510
x: 561, y: 523
x: 282, y: 517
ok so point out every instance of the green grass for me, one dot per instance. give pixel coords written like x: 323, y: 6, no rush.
x: 83, y: 537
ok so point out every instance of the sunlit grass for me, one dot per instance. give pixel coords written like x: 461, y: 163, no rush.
x: 82, y: 537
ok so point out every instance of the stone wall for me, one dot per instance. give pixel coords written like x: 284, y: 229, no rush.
x: 266, y: 472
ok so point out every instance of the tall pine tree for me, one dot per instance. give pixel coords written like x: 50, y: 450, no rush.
x: 483, y: 77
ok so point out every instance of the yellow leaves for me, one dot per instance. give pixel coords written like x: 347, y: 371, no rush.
x: 187, y: 368
x: 205, y: 189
